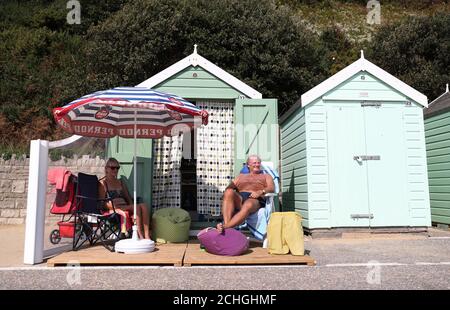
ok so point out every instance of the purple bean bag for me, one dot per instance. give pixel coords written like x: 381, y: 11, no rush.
x: 230, y: 243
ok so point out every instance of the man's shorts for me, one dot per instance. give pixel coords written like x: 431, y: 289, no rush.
x: 246, y: 195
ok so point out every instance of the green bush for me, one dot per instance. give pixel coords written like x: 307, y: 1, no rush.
x: 254, y: 40
x: 416, y: 51
x: 46, y: 62
x: 338, y: 51
x: 42, y: 64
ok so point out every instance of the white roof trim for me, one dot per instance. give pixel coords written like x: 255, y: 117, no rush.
x: 362, y: 64
x: 446, y: 91
x: 196, y: 60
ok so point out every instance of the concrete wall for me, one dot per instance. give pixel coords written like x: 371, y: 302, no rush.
x: 14, y: 185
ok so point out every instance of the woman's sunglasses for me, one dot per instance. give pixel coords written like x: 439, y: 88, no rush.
x: 114, y: 167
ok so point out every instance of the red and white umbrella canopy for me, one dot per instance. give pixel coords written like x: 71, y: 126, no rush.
x: 130, y: 112
x: 118, y: 111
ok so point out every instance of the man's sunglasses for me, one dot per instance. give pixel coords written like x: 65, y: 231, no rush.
x: 114, y: 167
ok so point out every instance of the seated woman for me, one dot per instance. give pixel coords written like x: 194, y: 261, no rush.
x: 245, y: 194
x: 110, y: 186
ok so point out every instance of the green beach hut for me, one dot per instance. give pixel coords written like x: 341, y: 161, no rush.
x: 437, y: 137
x: 191, y: 171
x: 353, y: 152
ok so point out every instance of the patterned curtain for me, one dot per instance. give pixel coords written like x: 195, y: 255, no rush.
x: 166, y: 172
x: 215, y: 154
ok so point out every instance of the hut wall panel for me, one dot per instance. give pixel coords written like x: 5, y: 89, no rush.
x: 417, y: 176
x: 293, y: 166
x: 317, y: 163
x: 193, y: 83
x: 437, y: 133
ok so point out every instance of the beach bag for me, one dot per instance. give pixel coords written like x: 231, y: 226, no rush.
x: 229, y: 243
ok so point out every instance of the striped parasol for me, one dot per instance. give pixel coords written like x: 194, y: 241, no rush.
x: 118, y: 111
x: 130, y: 112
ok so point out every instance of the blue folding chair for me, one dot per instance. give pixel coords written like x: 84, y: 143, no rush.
x: 257, y: 222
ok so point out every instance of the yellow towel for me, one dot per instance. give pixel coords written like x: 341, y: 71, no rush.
x: 285, y: 233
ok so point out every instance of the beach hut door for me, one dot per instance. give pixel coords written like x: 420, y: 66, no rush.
x: 367, y: 166
x: 347, y: 171
x: 256, y: 123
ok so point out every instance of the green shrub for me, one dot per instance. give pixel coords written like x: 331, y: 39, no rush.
x: 416, y: 51
x: 254, y: 40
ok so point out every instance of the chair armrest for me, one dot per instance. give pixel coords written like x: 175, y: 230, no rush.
x: 270, y: 195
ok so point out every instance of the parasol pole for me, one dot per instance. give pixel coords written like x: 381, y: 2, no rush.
x: 135, y: 235
x: 135, y: 245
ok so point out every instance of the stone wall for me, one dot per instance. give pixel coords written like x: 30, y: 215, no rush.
x: 14, y: 185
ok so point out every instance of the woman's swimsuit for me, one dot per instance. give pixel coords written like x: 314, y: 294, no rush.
x: 115, y: 193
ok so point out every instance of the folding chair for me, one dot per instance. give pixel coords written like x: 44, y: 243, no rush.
x: 91, y: 224
x: 257, y: 222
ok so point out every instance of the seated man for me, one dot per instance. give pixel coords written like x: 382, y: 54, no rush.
x: 245, y: 194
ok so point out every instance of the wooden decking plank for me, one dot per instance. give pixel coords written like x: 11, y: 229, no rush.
x: 185, y: 254
x: 255, y: 256
x: 164, y: 254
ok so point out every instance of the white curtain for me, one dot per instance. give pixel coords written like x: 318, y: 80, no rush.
x: 215, y: 154
x: 166, y: 172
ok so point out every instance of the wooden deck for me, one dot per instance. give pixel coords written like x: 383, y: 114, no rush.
x: 164, y: 254
x: 256, y: 255
x: 181, y: 254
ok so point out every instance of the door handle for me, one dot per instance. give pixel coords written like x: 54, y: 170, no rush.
x: 361, y: 216
x: 371, y: 157
x: 361, y: 158
x: 358, y: 159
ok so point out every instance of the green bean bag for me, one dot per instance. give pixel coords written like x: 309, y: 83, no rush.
x: 170, y: 225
